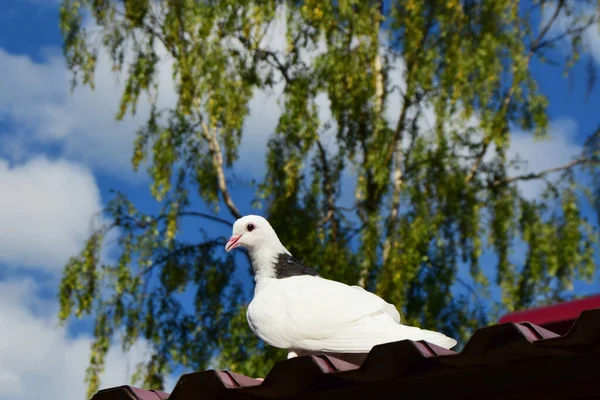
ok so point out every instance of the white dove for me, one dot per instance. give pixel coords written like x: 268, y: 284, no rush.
x: 295, y: 309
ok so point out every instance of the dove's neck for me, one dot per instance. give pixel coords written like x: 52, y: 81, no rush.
x: 264, y: 259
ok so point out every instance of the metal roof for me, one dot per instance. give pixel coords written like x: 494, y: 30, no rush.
x: 557, y: 317
x: 504, y: 361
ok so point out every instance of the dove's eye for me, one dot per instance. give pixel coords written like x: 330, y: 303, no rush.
x: 250, y: 227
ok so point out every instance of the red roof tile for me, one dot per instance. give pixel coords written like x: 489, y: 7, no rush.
x: 505, y: 361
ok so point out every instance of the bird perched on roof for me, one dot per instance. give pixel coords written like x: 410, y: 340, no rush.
x: 296, y: 309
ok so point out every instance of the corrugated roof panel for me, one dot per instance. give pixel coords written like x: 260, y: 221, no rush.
x: 511, y: 360
x: 130, y: 393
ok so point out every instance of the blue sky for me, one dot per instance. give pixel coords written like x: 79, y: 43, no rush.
x: 60, y: 154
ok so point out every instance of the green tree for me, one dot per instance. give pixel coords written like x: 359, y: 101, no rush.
x: 427, y: 199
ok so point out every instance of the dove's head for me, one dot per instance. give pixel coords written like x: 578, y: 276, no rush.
x: 255, y: 234
x: 264, y: 248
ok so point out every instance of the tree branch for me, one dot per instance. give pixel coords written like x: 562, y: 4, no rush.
x: 213, y: 144
x: 395, y: 151
x: 143, y: 224
x: 540, y: 174
x: 207, y: 216
x: 150, y: 29
x: 397, y: 182
x: 475, y: 293
x: 407, y: 102
x: 327, y: 184
x: 536, y: 43
x: 535, y: 46
x: 267, y: 55
x: 568, y: 32
x: 180, y: 250
x: 215, y: 151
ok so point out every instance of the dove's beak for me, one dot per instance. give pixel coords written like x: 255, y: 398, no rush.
x: 233, y: 242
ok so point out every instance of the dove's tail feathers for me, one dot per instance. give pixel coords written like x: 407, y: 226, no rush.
x: 361, y: 337
x: 405, y: 332
x: 437, y: 338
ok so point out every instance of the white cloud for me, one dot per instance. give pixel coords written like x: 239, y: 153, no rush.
x: 593, y: 40
x: 540, y: 154
x: 46, y: 211
x: 36, y: 99
x: 38, y: 359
